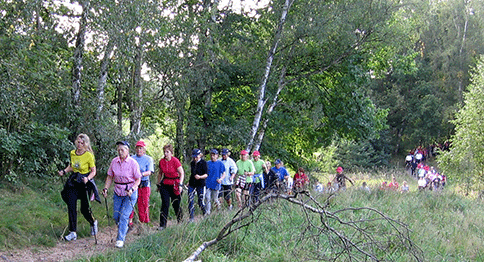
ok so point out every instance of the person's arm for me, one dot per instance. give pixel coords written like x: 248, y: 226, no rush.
x: 181, y: 173
x: 65, y: 170
x: 160, y: 176
x: 135, y: 186
x: 221, y: 178
x: 90, y: 176
x: 107, y: 184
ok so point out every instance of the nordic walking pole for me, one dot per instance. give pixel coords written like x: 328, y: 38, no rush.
x: 90, y: 211
x: 107, y: 210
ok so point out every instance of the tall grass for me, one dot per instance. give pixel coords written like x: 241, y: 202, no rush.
x: 445, y: 225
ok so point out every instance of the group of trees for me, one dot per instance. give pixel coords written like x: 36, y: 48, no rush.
x: 289, y: 77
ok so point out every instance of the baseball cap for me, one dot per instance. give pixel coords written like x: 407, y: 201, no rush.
x: 214, y: 151
x: 256, y: 153
x: 196, y: 152
x: 225, y: 151
x: 278, y: 161
x: 244, y: 152
x: 339, y: 169
x: 141, y: 143
x: 124, y: 143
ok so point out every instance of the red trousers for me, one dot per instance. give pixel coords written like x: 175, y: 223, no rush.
x: 143, y: 205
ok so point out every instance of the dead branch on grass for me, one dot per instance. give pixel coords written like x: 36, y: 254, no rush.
x: 335, y: 235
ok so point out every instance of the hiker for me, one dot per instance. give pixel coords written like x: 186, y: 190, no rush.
x: 170, y: 185
x: 281, y: 174
x: 216, y: 173
x: 259, y: 182
x: 228, y: 181
x: 196, y: 184
x: 341, y: 178
x: 301, y: 180
x: 245, y: 171
x: 124, y: 171
x: 80, y: 185
x: 146, y: 166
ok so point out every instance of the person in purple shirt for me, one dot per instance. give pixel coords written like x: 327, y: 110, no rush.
x: 213, y: 183
x: 124, y: 171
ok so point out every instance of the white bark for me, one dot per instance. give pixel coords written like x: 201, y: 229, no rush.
x: 103, y: 75
x: 262, y: 90
x: 78, y: 52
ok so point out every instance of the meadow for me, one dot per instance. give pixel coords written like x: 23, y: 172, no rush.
x: 440, y: 226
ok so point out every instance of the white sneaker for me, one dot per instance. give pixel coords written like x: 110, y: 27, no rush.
x: 71, y: 236
x: 119, y: 244
x: 94, y: 228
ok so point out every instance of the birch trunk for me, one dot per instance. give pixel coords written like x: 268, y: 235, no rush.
x: 262, y: 90
x: 281, y: 84
x: 78, y: 52
x: 137, y: 95
x: 103, y: 76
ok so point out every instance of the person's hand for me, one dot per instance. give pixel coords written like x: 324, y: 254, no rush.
x: 181, y: 188
x: 85, y: 179
x: 130, y: 192
x: 197, y: 177
x: 62, y: 172
x: 105, y: 192
x: 219, y: 181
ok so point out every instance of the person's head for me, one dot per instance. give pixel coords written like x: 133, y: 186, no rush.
x: 339, y: 170
x: 404, y: 183
x: 300, y: 170
x: 364, y: 183
x: 123, y: 149
x: 214, y: 155
x: 168, y: 151
x: 140, y: 148
x: 225, y: 153
x: 268, y: 164
x: 244, y: 155
x: 83, y: 142
x: 278, y: 163
x: 196, y: 154
x: 256, y: 155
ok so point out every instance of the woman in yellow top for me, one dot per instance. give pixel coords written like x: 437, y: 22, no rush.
x: 82, y: 164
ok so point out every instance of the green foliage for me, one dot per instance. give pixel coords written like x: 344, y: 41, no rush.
x: 465, y: 160
x: 38, y: 151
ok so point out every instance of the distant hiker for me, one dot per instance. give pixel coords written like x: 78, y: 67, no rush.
x: 213, y: 183
x: 394, y: 184
x: 170, y: 185
x: 124, y: 171
x: 245, y: 172
x: 196, y: 184
x: 405, y: 187
x: 281, y: 174
x: 79, y: 184
x: 228, y: 181
x: 340, y: 179
x: 258, y: 178
x: 301, y: 180
x: 146, y: 168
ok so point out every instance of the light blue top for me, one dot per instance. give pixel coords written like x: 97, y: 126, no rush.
x: 145, y: 163
x: 230, y: 168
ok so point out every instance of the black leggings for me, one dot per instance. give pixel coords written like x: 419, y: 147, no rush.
x: 70, y: 195
x: 167, y: 193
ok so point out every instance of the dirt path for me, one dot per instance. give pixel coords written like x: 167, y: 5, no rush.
x: 82, y: 247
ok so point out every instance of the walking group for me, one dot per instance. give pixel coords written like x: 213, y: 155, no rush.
x: 213, y: 181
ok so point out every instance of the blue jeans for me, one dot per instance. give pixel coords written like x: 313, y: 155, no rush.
x: 211, y: 194
x: 122, y: 208
x: 191, y: 197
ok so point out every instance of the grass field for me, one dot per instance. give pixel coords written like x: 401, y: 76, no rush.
x: 443, y: 226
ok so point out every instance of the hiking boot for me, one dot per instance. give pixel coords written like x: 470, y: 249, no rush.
x: 161, y: 228
x: 94, y: 228
x: 71, y: 236
x: 119, y: 244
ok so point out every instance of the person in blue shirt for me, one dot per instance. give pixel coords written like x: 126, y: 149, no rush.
x: 281, y: 174
x: 216, y: 173
x: 144, y: 191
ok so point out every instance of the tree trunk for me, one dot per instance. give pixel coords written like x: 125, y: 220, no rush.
x: 136, y: 97
x: 103, y: 75
x: 78, y: 52
x: 281, y: 84
x: 262, y: 90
